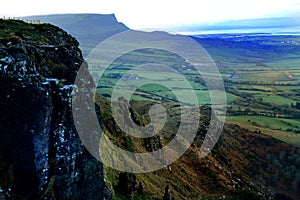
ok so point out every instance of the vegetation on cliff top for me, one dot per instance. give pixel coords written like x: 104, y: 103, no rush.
x: 17, y: 30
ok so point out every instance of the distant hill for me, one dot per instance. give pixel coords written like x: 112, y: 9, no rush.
x: 89, y: 29
x: 263, y: 25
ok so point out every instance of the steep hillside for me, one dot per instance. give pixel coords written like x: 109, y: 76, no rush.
x: 41, y: 155
x: 243, y: 165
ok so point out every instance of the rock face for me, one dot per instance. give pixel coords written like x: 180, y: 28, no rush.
x: 41, y: 155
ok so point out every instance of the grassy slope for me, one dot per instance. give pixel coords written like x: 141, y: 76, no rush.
x: 274, y: 127
x: 17, y: 30
x: 238, y: 162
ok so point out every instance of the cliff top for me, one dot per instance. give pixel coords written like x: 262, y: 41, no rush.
x: 44, y: 49
x: 17, y: 30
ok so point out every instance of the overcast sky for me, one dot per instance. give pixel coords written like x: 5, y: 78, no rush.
x: 155, y: 13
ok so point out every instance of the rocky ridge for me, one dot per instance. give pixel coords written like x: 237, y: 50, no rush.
x: 42, y: 156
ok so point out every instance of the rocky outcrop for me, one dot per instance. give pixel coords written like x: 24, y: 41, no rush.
x: 41, y: 155
x: 167, y: 194
x: 126, y: 185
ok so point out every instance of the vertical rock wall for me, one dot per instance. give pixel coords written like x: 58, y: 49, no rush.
x: 41, y: 155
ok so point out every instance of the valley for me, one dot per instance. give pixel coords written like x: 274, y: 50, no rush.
x: 261, y: 75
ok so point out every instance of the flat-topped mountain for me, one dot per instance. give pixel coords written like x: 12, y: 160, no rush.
x: 88, y: 29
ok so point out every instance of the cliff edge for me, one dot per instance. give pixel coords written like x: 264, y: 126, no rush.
x: 41, y: 155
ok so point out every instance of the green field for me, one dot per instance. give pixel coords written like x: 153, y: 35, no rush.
x: 267, y: 122
x: 276, y: 99
x: 259, y: 92
x: 276, y: 127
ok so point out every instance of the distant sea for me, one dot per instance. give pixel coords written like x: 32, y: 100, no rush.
x: 295, y: 30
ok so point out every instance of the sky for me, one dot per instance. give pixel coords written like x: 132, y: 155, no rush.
x: 155, y: 13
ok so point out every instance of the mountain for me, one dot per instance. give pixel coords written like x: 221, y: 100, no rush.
x: 41, y: 155
x: 88, y: 29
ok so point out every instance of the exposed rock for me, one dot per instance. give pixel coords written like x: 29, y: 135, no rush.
x: 126, y: 185
x: 38, y: 65
x: 140, y: 189
x: 107, y: 194
x: 167, y: 194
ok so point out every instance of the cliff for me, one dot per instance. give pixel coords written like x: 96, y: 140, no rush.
x: 41, y: 155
